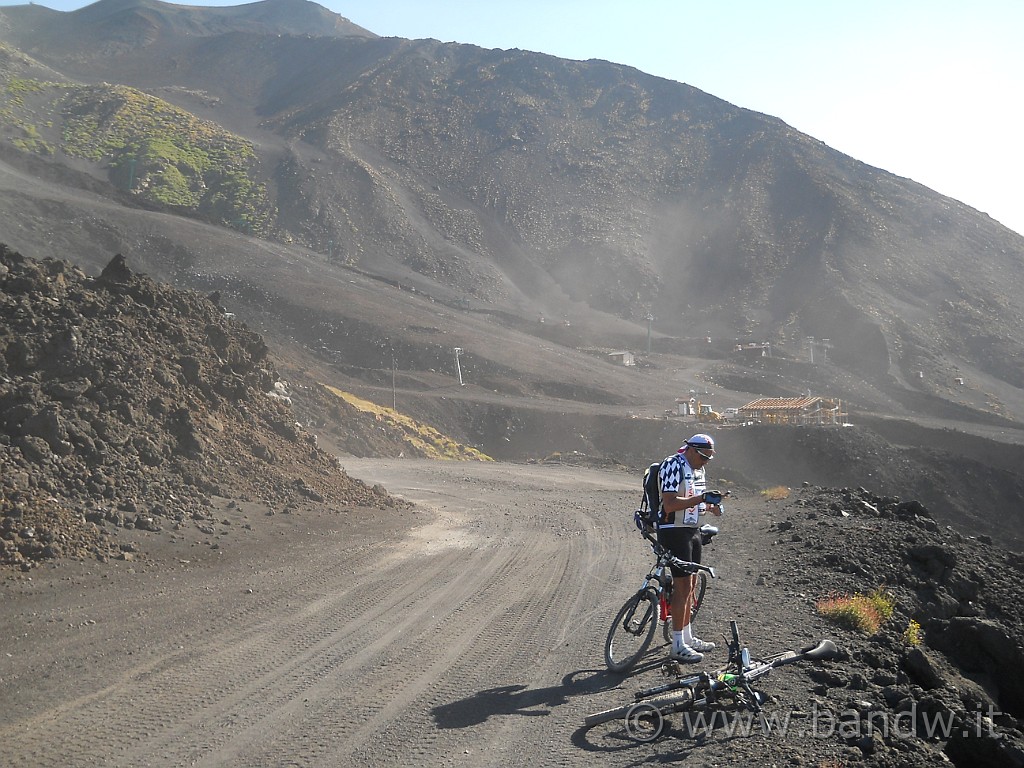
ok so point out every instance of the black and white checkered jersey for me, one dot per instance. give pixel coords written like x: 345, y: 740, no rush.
x: 677, y: 476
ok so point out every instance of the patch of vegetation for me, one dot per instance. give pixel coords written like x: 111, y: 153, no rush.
x: 913, y: 634
x: 31, y: 141
x: 17, y: 87
x: 865, y: 613
x: 426, y: 441
x: 167, y: 155
x: 776, y: 493
x: 23, y: 131
x: 150, y: 148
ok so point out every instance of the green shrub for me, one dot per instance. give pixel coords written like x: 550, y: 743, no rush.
x: 865, y: 613
x: 913, y: 634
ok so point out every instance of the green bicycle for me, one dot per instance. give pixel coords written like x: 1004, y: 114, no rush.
x: 645, y: 716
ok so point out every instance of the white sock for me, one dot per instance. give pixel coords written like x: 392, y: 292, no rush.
x: 677, y: 640
x: 688, y: 635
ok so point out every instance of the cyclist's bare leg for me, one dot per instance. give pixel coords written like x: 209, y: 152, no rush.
x: 682, y: 601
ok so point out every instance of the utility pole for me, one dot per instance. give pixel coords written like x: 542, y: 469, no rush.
x: 394, y: 392
x: 650, y: 319
x: 458, y: 367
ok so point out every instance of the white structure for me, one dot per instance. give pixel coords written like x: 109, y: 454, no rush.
x: 686, y: 406
x: 622, y: 358
x: 458, y: 366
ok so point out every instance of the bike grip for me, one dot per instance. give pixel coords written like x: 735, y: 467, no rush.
x: 690, y: 566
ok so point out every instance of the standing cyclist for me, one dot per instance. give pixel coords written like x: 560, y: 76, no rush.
x: 683, y: 500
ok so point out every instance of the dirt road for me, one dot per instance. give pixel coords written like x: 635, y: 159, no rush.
x: 468, y: 631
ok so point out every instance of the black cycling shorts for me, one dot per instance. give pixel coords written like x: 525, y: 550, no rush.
x: 684, y: 543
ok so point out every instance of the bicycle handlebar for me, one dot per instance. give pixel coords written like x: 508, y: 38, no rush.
x: 672, y: 560
x: 686, y: 565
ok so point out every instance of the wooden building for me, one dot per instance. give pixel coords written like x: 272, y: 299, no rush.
x: 804, y: 411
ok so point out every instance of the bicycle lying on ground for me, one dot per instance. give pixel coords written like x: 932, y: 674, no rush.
x: 634, y: 626
x: 645, y: 716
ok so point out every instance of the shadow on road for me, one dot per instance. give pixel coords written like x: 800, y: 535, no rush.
x: 522, y: 700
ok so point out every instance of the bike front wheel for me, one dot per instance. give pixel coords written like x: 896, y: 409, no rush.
x: 632, y: 631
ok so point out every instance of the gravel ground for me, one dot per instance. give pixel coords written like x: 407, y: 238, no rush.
x: 469, y: 630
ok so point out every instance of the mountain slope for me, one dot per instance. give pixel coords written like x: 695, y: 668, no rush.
x: 563, y: 200
x: 493, y: 175
x: 113, y: 27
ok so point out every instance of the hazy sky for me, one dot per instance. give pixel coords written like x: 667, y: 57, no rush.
x: 927, y: 89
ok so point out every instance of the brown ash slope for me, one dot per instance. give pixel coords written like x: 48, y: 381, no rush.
x: 451, y: 196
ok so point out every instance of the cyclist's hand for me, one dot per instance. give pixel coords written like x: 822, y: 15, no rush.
x: 716, y: 509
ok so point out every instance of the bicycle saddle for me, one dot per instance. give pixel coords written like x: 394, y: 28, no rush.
x: 824, y: 650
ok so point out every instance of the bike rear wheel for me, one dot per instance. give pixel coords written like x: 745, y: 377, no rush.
x: 670, y: 702
x: 632, y: 631
x: 698, y: 594
x: 698, y: 599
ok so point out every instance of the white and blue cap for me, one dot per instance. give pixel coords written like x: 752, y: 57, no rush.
x: 699, y: 441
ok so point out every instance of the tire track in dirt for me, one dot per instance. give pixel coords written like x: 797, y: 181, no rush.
x: 509, y: 636
x: 485, y: 634
x: 184, y: 686
x: 398, y: 662
x: 509, y: 674
x: 506, y: 637
x: 456, y: 643
x: 249, y: 659
x: 330, y: 649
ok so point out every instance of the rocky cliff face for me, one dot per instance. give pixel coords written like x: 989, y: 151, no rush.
x: 126, y: 402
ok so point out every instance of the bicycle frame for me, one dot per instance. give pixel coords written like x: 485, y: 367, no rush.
x: 666, y: 558
x: 741, y: 671
x: 659, y: 578
x: 634, y: 626
x: 707, y: 532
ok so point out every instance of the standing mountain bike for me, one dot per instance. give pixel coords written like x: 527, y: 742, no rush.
x: 634, y: 626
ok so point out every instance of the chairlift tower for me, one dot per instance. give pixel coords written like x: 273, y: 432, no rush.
x: 458, y: 366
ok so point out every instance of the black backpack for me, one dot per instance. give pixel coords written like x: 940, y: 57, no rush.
x: 650, y: 504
